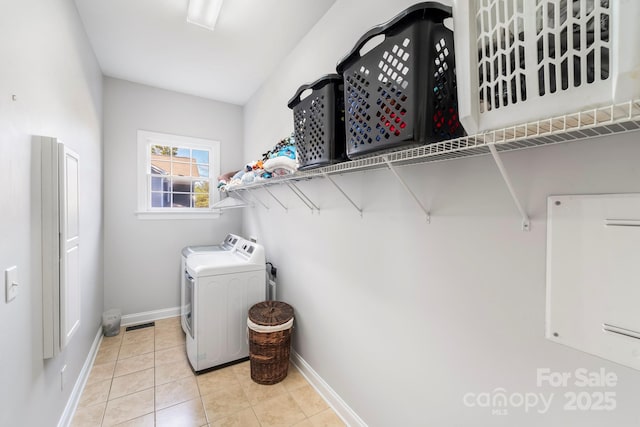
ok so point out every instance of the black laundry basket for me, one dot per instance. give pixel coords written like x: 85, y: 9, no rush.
x: 403, y: 91
x: 318, y: 122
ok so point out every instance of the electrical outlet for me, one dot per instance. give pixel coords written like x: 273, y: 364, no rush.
x: 11, y: 283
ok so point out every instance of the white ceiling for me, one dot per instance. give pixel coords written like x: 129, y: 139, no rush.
x: 150, y: 42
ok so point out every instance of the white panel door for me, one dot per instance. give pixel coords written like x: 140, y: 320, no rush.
x: 69, y: 246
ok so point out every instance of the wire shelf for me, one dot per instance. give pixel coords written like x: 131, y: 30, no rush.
x: 607, y: 120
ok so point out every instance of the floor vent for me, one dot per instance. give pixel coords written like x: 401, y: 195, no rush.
x: 143, y: 325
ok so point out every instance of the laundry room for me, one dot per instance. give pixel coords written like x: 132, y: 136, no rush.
x: 427, y: 214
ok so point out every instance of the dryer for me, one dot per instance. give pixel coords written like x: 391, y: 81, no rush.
x: 222, y: 286
x: 229, y: 243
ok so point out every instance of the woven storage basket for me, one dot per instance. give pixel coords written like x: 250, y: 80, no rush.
x: 269, y: 341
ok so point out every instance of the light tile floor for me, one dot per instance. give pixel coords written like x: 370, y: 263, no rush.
x: 142, y: 378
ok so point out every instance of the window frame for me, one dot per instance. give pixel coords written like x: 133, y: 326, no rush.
x: 147, y: 139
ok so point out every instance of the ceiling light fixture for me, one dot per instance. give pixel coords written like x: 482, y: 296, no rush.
x: 204, y: 13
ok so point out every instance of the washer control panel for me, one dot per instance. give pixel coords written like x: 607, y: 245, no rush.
x: 230, y: 241
x: 249, y: 250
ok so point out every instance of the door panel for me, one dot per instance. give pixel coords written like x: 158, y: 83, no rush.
x: 70, y: 245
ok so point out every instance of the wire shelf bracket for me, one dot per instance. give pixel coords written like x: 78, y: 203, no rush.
x: 275, y: 198
x: 526, y: 223
x: 346, y: 196
x: 230, y: 202
x: 408, y: 189
x: 254, y: 197
x: 590, y: 123
x: 303, y: 197
x: 241, y: 197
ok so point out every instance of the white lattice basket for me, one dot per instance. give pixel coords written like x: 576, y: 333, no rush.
x: 522, y: 60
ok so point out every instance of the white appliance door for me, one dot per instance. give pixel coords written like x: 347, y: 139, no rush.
x: 183, y: 287
x: 187, y: 304
x: 220, y: 309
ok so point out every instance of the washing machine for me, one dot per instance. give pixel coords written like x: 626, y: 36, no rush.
x: 221, y: 287
x: 229, y: 243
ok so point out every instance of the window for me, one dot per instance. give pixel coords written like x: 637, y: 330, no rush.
x: 176, y: 175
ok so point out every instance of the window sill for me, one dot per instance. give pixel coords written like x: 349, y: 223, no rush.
x: 209, y: 214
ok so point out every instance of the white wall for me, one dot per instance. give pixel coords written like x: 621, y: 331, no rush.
x: 48, y: 64
x: 403, y: 318
x: 142, y: 257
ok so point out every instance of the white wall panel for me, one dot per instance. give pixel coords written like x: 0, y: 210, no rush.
x: 593, y: 248
x: 50, y: 68
x: 403, y: 318
x: 142, y: 257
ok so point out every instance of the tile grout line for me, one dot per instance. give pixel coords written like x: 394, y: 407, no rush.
x: 104, y: 413
x: 238, y: 375
x: 251, y: 405
x: 206, y: 416
x: 113, y: 377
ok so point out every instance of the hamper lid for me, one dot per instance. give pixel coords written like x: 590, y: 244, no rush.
x: 270, y: 313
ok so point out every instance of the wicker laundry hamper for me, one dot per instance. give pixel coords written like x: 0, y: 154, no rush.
x: 269, y: 326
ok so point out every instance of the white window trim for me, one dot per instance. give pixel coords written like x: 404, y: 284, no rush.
x: 145, y: 140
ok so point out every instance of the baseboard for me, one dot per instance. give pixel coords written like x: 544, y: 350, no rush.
x: 149, y: 316
x: 333, y: 399
x: 74, y: 398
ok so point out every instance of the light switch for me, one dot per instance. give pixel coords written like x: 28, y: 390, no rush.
x: 11, y: 282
